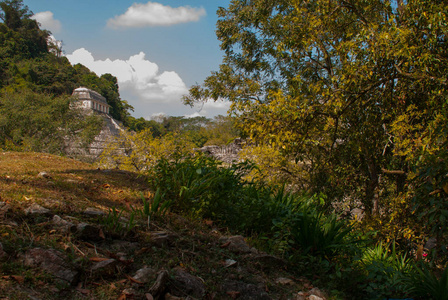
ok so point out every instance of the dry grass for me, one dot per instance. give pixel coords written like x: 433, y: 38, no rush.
x: 71, y: 185
x: 68, y: 189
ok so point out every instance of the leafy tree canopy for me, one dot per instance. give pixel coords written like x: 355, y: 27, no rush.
x: 353, y: 90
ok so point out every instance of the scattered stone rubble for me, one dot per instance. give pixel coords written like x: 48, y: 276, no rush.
x: 175, y: 283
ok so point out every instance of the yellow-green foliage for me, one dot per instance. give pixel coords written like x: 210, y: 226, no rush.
x: 273, y: 166
x: 140, y: 151
x: 355, y: 90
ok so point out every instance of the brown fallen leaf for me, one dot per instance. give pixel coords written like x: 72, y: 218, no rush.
x: 233, y: 294
x: 142, y: 250
x: 65, y: 246
x: 133, y: 280
x: 122, y: 297
x: 101, y: 234
x: 19, y: 279
x: 89, y: 245
x: 106, y: 185
x: 307, y: 285
x: 225, y: 245
x: 98, y: 259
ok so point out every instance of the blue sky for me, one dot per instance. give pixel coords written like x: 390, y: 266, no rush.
x: 156, y: 49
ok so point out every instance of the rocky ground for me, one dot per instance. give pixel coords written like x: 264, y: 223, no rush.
x: 68, y: 230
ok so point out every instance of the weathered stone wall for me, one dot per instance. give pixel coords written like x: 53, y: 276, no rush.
x: 110, y: 130
x: 227, y: 153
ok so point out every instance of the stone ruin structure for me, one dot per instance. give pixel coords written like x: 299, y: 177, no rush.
x: 227, y: 153
x: 92, y: 102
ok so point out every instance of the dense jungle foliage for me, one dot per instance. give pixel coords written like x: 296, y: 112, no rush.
x: 348, y: 99
x: 344, y: 107
x: 32, y: 65
x: 36, y: 83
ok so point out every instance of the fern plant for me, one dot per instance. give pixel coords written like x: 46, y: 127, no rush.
x: 424, y: 283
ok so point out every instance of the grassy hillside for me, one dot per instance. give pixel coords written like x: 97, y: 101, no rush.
x: 182, y: 258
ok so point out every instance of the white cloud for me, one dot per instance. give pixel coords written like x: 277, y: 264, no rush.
x: 136, y: 76
x: 155, y: 14
x: 146, y: 88
x: 47, y: 21
x: 194, y: 115
x: 218, y: 104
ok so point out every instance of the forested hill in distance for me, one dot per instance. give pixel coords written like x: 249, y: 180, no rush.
x: 36, y: 81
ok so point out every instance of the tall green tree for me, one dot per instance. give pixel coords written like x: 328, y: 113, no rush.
x: 329, y: 83
x: 32, y: 121
x: 19, y: 32
x: 13, y: 13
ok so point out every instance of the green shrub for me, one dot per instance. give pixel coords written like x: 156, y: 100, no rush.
x: 116, y: 224
x: 200, y: 186
x: 385, y: 269
x: 311, y: 230
x: 157, y: 207
x: 425, y: 284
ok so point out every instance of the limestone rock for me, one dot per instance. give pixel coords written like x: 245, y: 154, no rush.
x: 144, y: 274
x: 159, y: 287
x: 52, y: 262
x: 244, y: 290
x: 36, y: 209
x: 314, y: 297
x: 162, y: 239
x: 236, y: 244
x: 94, y: 212
x: 168, y: 296
x: 318, y: 293
x: 44, y: 174
x: 284, y: 281
x: 300, y: 296
x: 186, y: 284
x: 63, y: 225
x: 105, y: 268
x: 130, y: 292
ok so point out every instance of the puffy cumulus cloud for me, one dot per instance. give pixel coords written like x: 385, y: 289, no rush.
x: 155, y: 14
x: 194, y: 115
x: 137, y: 77
x: 47, y: 21
x: 146, y: 88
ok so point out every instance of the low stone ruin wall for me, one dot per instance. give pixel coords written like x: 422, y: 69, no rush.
x: 228, y: 153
